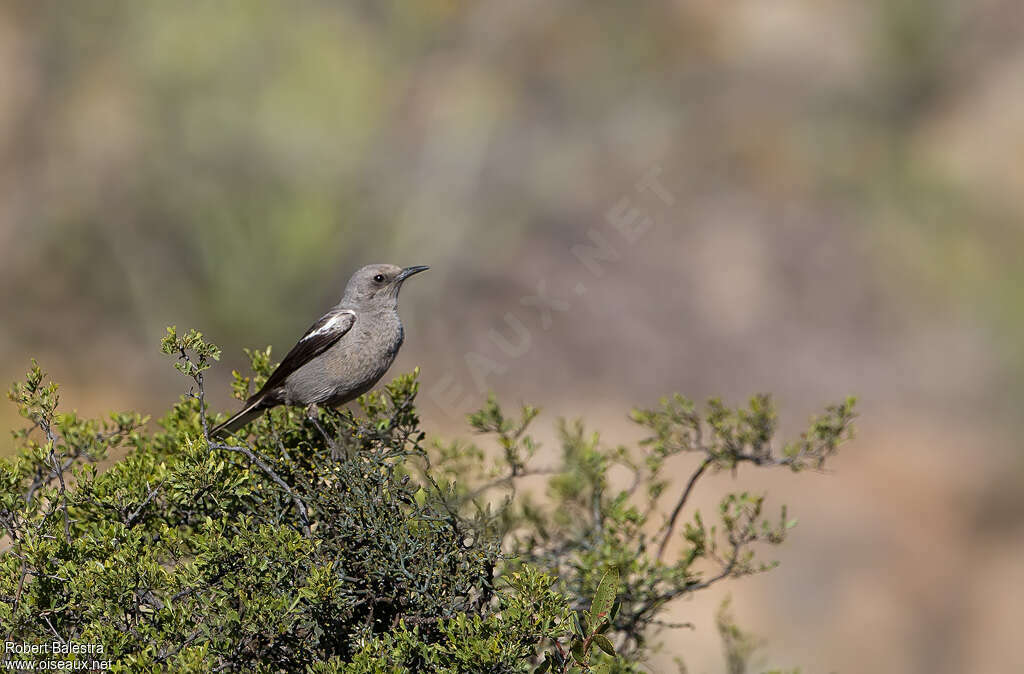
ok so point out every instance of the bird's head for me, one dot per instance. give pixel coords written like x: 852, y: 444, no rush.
x: 377, y: 285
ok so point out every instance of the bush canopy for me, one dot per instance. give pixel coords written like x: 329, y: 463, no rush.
x: 351, y: 543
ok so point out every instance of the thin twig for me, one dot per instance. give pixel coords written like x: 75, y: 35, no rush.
x: 188, y: 640
x: 53, y: 629
x: 60, y: 477
x: 251, y: 455
x: 679, y: 505
x: 23, y: 574
x: 132, y: 517
x: 39, y: 481
x: 506, y: 481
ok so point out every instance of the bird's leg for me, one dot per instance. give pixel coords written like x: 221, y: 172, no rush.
x: 341, y: 449
x: 338, y: 415
x: 337, y: 444
x: 313, y: 414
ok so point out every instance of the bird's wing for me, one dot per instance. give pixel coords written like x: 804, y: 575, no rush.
x: 320, y: 337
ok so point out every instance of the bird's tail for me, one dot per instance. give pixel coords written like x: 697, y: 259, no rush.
x: 244, y: 416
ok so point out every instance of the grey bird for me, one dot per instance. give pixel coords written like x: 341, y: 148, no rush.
x: 343, y: 354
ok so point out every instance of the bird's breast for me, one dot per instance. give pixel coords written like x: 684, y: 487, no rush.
x: 363, y: 356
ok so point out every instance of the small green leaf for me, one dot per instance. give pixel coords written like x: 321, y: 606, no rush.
x: 577, y: 629
x: 577, y: 651
x: 604, y: 644
x: 604, y: 598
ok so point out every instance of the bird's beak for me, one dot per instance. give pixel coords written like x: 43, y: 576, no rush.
x: 409, y: 271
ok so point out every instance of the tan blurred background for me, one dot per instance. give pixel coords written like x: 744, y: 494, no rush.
x: 829, y: 202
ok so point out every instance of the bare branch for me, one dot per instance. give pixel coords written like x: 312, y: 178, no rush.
x: 679, y: 506
x: 262, y: 465
x: 134, y: 515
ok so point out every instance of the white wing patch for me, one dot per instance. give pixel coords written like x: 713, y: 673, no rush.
x: 331, y: 325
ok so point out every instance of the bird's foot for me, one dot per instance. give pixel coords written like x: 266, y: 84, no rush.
x: 340, y: 451
x: 342, y: 447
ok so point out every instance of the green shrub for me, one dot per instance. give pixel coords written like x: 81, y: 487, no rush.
x: 266, y: 553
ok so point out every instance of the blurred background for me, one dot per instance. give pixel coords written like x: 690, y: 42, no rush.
x: 617, y: 200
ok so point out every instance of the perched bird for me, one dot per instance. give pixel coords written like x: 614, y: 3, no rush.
x: 343, y: 354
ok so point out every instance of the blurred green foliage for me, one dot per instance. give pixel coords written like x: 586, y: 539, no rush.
x: 178, y: 155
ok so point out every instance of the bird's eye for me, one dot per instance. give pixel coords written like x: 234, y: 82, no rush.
x: 379, y: 278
